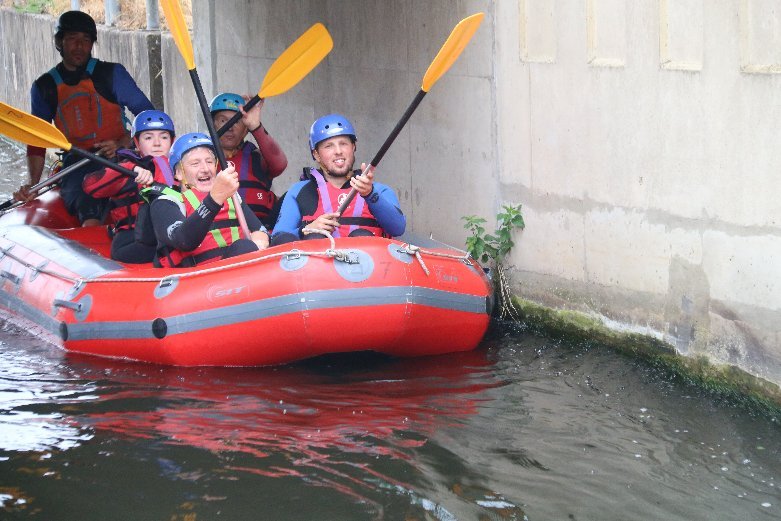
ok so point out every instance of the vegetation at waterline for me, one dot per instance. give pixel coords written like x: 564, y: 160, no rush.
x: 492, y: 249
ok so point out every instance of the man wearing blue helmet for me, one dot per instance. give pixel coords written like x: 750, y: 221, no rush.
x: 200, y: 225
x: 311, y: 204
x: 257, y: 166
x: 86, y: 100
x: 153, y: 133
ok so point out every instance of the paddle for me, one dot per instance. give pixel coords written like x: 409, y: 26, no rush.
x: 292, y: 66
x: 24, y: 127
x: 47, y: 182
x: 175, y: 18
x: 459, y: 38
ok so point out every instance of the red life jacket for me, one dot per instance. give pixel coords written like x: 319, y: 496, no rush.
x: 254, y: 188
x: 356, y: 215
x: 83, y: 115
x: 224, y: 231
x: 125, y: 199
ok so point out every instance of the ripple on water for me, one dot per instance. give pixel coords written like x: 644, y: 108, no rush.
x: 519, y: 427
x: 13, y: 167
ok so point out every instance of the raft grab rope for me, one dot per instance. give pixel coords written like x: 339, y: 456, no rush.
x: 346, y: 256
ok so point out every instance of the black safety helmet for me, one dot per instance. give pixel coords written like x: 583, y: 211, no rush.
x: 75, y: 22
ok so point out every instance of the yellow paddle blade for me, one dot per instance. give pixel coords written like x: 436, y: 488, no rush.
x: 451, y: 50
x: 24, y: 127
x: 297, y: 61
x: 175, y: 18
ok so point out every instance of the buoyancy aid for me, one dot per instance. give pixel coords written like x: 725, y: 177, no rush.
x: 223, y: 232
x: 125, y: 204
x: 83, y: 115
x: 254, y: 188
x: 356, y: 215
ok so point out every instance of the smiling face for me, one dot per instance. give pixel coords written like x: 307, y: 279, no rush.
x: 76, y: 49
x: 234, y: 136
x: 154, y: 143
x: 197, y: 169
x: 336, y: 155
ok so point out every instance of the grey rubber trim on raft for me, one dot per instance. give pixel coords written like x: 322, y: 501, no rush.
x: 325, y: 299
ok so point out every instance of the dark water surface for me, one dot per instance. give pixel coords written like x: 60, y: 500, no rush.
x: 519, y: 429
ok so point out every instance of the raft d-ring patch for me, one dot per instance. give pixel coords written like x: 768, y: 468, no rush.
x: 293, y: 261
x: 399, y: 252
x: 166, y: 287
x: 355, y: 271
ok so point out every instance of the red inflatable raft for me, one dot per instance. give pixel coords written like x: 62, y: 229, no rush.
x: 402, y: 297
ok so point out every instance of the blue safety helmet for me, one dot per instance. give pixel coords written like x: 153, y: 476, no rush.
x: 185, y: 143
x: 226, y: 101
x: 152, y: 120
x: 330, y: 126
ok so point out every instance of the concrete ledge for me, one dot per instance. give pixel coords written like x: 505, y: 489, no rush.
x: 574, y: 327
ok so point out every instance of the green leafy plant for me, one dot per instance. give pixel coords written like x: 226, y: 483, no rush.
x: 493, y: 247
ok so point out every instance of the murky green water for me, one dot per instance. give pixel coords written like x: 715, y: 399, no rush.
x: 521, y: 428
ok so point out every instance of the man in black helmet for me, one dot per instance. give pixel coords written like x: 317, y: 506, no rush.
x: 86, y: 99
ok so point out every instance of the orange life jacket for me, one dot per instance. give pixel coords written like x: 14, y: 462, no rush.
x: 83, y: 115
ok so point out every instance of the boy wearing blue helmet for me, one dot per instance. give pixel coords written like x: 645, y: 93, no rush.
x: 312, y: 202
x: 200, y: 225
x: 153, y: 133
x: 257, y: 166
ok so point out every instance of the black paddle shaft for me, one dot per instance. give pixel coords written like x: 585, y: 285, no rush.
x: 48, y: 181
x: 385, y: 146
x: 237, y: 116
x: 207, y: 117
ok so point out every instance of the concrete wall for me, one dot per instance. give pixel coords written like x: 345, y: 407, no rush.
x: 640, y: 138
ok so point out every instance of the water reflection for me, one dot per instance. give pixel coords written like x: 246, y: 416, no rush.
x: 363, y: 428
x: 29, y: 384
x: 519, y: 427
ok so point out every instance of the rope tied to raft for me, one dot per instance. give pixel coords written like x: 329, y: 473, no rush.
x: 332, y: 252
x: 339, y: 255
x: 411, y: 249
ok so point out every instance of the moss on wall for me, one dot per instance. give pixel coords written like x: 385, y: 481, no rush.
x: 576, y: 328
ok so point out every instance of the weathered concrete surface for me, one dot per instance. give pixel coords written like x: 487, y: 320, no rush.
x: 639, y: 137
